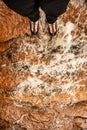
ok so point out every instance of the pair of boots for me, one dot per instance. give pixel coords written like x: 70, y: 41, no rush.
x: 52, y: 28
x: 30, y: 8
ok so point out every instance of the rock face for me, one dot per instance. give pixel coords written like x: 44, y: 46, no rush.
x: 43, y: 79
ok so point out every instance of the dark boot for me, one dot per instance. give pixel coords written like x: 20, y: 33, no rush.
x: 52, y: 28
x: 34, y: 26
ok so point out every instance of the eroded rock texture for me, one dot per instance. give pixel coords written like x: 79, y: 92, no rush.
x: 43, y: 79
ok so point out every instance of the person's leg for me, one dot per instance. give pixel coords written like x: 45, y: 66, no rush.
x: 34, y: 17
x: 27, y: 8
x: 53, y: 8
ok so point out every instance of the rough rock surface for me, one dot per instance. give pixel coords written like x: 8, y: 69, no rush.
x: 43, y: 79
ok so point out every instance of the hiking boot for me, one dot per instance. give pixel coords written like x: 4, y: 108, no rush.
x: 34, y: 26
x: 52, y: 28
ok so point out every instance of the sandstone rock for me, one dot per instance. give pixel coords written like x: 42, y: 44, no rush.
x: 50, y: 118
x: 43, y: 80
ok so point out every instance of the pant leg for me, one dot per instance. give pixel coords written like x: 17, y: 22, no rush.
x: 53, y: 8
x: 29, y: 8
